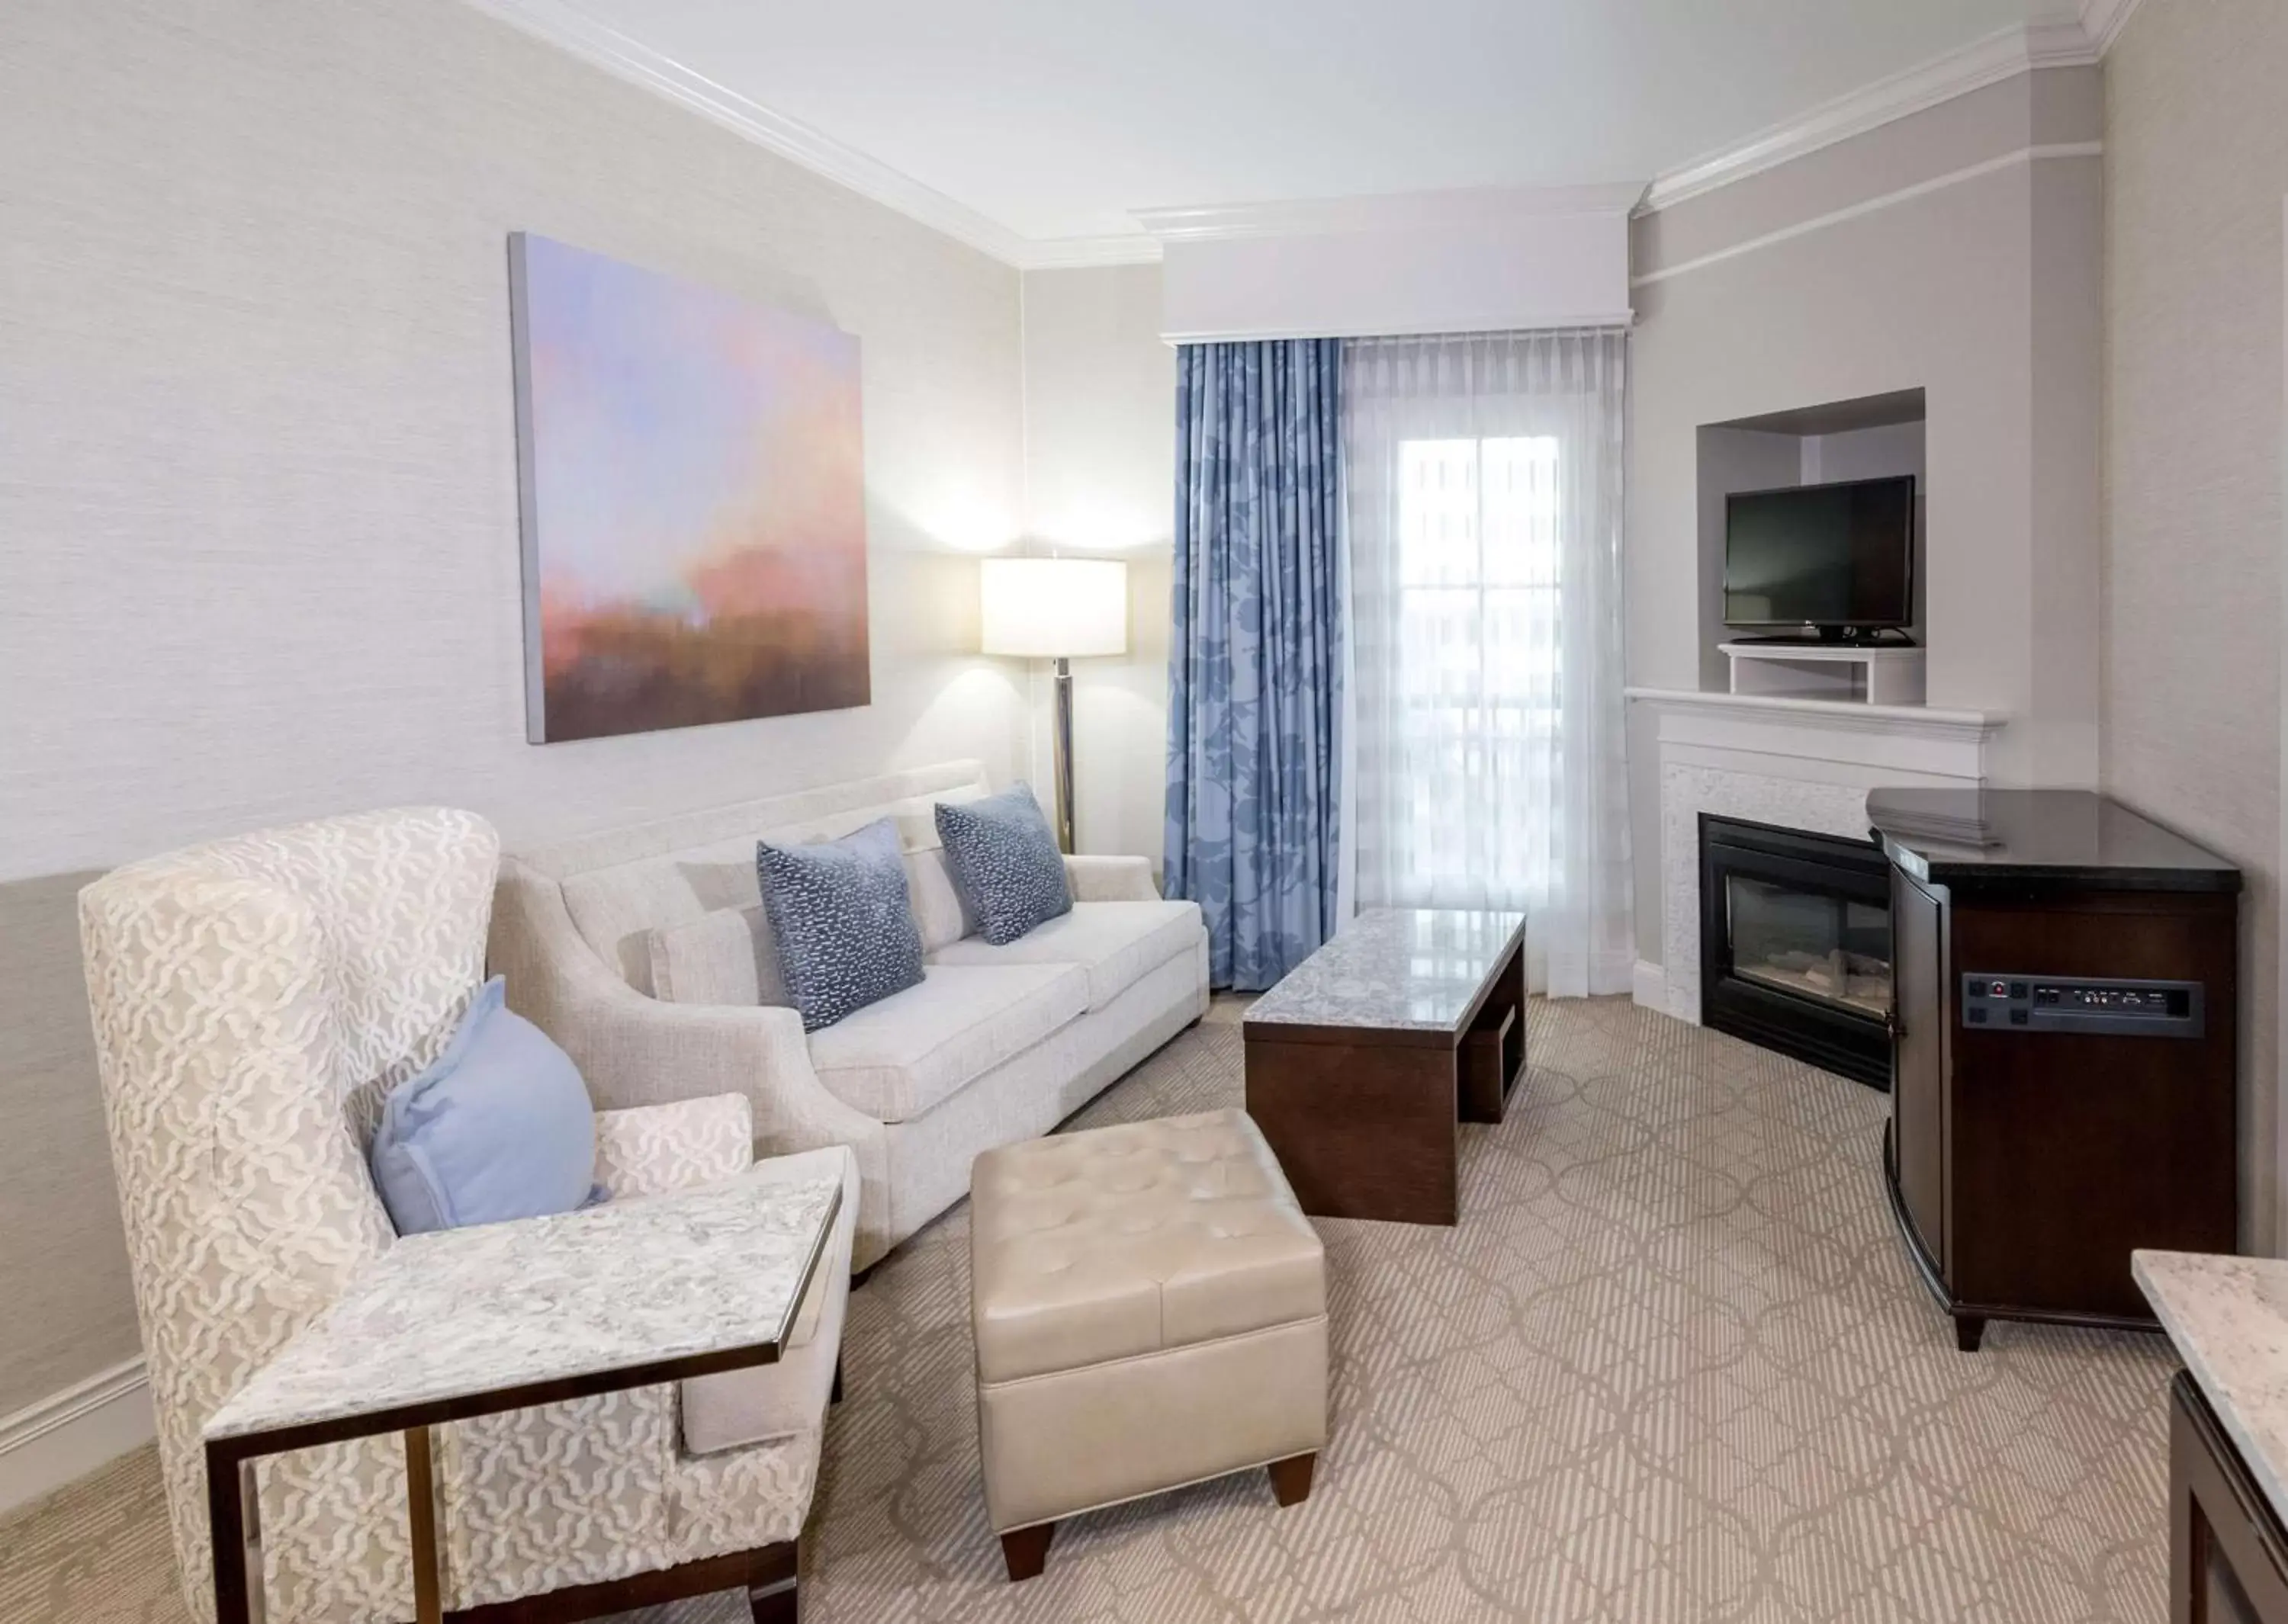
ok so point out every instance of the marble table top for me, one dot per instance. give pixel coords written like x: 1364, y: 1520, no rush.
x: 1404, y: 969
x: 2229, y: 1318
x: 462, y: 1312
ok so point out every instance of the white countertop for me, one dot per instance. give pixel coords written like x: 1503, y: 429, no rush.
x: 1406, y: 969
x: 2228, y: 1318
x: 465, y: 1312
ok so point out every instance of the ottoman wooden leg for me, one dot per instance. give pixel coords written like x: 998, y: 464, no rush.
x: 1291, y: 1479
x: 1026, y: 1550
x: 771, y: 1581
x: 774, y: 1603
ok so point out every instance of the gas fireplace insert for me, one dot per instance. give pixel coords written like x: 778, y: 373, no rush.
x: 1795, y: 945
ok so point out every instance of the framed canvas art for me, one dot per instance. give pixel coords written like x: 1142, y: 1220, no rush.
x: 693, y: 497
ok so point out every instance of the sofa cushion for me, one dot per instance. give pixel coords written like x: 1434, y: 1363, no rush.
x: 841, y: 923
x: 727, y: 956
x: 1116, y: 943
x: 939, y: 915
x: 673, y: 1145
x: 620, y: 885
x: 1005, y: 861
x: 895, y: 1060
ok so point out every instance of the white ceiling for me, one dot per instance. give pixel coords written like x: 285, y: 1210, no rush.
x: 1057, y: 118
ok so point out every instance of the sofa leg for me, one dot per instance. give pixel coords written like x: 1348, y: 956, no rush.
x: 1291, y: 1479
x: 834, y: 1393
x: 774, y: 1601
x: 1026, y: 1550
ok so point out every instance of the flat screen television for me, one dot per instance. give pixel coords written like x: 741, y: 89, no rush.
x: 1837, y: 559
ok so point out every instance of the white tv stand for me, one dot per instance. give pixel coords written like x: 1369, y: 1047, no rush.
x: 1861, y: 673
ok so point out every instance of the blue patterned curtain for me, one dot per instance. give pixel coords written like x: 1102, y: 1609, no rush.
x: 1255, y: 676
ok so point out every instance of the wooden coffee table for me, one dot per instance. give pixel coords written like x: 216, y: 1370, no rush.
x: 1362, y: 1062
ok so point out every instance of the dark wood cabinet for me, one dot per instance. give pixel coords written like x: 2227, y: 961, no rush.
x: 2228, y: 1552
x: 2062, y: 1051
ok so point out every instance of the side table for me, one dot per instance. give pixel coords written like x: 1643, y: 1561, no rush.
x: 469, y: 1322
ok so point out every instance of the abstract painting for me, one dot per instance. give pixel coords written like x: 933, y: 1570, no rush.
x: 693, y: 489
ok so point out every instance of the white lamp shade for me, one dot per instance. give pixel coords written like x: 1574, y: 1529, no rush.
x: 1053, y: 608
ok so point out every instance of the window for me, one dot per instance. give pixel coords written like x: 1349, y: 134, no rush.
x: 1478, y: 651
x: 1483, y: 493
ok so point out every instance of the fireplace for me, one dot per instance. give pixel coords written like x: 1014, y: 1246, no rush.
x: 1795, y: 945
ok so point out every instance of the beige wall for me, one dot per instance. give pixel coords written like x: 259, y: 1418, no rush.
x: 1101, y: 479
x: 2196, y: 167
x: 1979, y: 288
x: 63, y: 1261
x: 258, y: 480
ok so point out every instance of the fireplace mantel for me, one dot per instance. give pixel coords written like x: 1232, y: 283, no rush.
x: 1791, y: 763
x: 1947, y: 744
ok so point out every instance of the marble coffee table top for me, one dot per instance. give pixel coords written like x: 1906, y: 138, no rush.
x: 462, y: 1312
x: 2229, y: 1318
x: 1416, y: 969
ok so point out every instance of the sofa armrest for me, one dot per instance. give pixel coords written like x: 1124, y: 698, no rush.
x: 652, y: 1149
x: 1110, y: 879
x: 634, y: 1050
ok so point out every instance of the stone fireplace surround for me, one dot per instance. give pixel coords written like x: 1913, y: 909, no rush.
x: 1794, y: 764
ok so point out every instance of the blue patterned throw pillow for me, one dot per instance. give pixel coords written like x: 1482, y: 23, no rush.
x: 1005, y: 862
x: 838, y: 914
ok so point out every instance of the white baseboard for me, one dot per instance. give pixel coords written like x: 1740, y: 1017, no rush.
x: 44, y: 1446
x: 1648, y: 987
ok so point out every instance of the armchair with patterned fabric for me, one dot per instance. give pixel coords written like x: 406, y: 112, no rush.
x: 254, y: 1001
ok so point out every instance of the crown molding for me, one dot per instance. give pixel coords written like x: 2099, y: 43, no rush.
x: 2055, y: 43
x: 1071, y: 253
x: 2103, y: 19
x: 568, y: 29
x: 1866, y: 206
x: 1391, y: 211
x: 2060, y: 41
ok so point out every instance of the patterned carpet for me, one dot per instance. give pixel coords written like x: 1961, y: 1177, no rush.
x: 1671, y: 1365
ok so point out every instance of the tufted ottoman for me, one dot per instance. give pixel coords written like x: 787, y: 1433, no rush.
x: 1150, y: 1307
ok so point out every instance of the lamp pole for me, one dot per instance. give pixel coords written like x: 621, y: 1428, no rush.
x: 1064, y: 752
x: 1055, y: 609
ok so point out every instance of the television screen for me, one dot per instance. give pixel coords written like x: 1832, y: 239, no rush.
x: 1821, y: 555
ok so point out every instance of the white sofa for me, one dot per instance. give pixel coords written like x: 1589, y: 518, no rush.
x: 643, y: 952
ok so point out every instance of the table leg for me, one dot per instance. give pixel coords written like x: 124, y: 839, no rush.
x: 235, y: 1576
x: 1363, y: 1129
x: 421, y: 1509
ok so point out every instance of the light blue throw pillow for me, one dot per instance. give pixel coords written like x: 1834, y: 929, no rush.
x: 499, y: 1127
x: 841, y: 920
x: 1004, y: 861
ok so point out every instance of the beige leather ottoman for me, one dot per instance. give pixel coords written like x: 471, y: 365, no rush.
x: 1150, y: 1307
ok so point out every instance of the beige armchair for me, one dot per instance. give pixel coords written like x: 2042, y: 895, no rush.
x: 254, y: 1000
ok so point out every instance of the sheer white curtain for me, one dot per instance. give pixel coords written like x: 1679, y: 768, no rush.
x: 1484, y: 515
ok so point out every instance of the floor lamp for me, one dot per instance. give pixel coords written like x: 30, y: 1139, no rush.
x: 1060, y: 609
